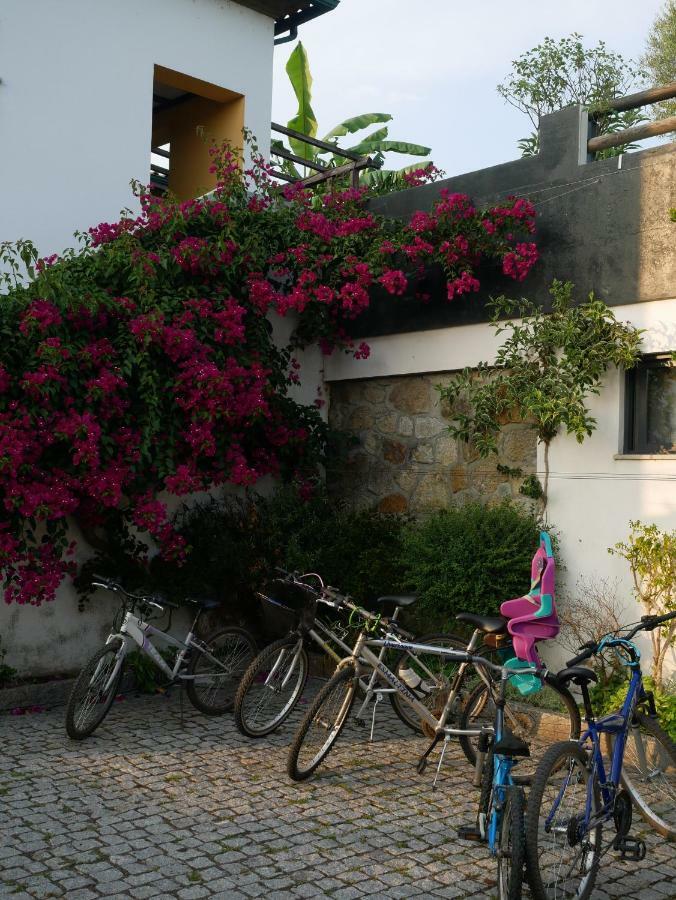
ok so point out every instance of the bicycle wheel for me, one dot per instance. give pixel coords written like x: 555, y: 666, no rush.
x: 649, y: 773
x: 217, y: 675
x: 322, y: 724
x: 94, y: 691
x: 562, y: 858
x: 547, y: 716
x: 511, y: 845
x: 486, y: 795
x: 429, y: 676
x: 271, y: 687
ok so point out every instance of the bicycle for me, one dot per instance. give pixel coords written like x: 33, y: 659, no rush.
x: 328, y: 714
x: 526, y: 620
x: 272, y: 686
x: 209, y: 669
x: 573, y: 794
x: 500, y: 816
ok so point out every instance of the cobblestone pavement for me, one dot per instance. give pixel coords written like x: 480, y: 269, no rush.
x: 150, y: 808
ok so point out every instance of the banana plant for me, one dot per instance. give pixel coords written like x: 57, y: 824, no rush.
x: 376, y: 144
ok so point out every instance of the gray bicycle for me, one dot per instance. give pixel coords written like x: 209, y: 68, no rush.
x: 210, y: 669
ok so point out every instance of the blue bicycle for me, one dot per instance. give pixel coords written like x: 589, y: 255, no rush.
x: 502, y: 803
x: 574, y: 793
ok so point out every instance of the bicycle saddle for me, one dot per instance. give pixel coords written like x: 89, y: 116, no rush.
x: 511, y: 745
x: 487, y: 624
x: 203, y: 602
x: 576, y: 674
x: 398, y: 599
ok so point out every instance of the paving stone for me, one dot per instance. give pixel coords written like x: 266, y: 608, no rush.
x: 147, y: 809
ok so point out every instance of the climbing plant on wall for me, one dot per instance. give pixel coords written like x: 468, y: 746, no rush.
x: 144, y: 362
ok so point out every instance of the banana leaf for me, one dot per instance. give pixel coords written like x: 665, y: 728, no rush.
x: 356, y: 123
x: 381, y: 146
x: 298, y: 70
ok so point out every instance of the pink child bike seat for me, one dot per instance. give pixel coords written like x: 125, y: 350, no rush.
x: 533, y: 617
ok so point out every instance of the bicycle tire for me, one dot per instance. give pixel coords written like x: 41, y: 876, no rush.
x: 525, y: 721
x: 236, y: 648
x: 339, y: 692
x: 432, y: 699
x: 512, y: 845
x: 247, y: 707
x: 553, y: 765
x: 485, y: 794
x: 657, y: 796
x: 78, y: 728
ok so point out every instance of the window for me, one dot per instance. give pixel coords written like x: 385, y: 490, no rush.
x: 186, y: 112
x: 650, y: 406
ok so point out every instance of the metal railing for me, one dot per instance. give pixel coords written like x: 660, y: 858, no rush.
x: 356, y: 162
x: 637, y: 132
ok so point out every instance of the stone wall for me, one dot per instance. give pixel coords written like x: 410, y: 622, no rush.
x: 403, y: 458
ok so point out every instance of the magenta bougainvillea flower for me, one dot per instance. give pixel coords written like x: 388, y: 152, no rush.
x: 146, y: 364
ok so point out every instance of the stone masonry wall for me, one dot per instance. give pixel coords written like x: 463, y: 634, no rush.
x: 404, y: 459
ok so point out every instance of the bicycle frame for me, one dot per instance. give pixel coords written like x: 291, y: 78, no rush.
x: 369, y: 687
x: 617, y: 724
x: 135, y: 631
x: 502, y: 772
x: 362, y: 654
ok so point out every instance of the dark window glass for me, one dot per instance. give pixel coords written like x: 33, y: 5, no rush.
x: 650, y: 409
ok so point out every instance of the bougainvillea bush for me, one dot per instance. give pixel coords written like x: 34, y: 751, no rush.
x: 144, y: 362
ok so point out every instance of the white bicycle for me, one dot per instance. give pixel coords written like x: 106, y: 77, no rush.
x: 211, y: 669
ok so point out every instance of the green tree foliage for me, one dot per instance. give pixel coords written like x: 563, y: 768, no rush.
x: 557, y: 74
x: 544, y: 372
x: 651, y: 554
x: 375, y: 144
x: 659, y: 59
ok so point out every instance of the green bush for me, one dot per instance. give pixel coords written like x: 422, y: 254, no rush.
x: 225, y: 559
x: 468, y: 559
x: 357, y: 552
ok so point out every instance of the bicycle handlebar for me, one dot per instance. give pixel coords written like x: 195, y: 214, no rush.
x: 158, y: 600
x: 647, y: 623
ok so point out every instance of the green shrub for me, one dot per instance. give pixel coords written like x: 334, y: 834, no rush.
x: 225, y: 559
x: 468, y: 559
x: 357, y: 552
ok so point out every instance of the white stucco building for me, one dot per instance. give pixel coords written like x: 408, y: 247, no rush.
x: 87, y: 88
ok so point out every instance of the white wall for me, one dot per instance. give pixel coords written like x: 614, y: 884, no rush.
x: 592, y: 494
x: 76, y: 99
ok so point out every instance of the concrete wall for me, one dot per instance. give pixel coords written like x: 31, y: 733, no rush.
x: 604, y: 225
x: 76, y: 99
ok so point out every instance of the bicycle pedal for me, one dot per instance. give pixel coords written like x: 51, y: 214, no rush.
x: 421, y: 765
x: 470, y: 833
x: 631, y: 848
x: 360, y: 722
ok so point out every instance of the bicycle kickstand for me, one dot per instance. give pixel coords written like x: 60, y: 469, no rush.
x: 441, y: 759
x: 379, y: 697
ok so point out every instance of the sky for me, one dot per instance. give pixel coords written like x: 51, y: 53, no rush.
x: 434, y: 65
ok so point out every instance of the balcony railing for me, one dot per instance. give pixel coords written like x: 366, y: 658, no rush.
x: 324, y: 172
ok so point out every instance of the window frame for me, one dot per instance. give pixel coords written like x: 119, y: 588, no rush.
x: 636, y: 406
